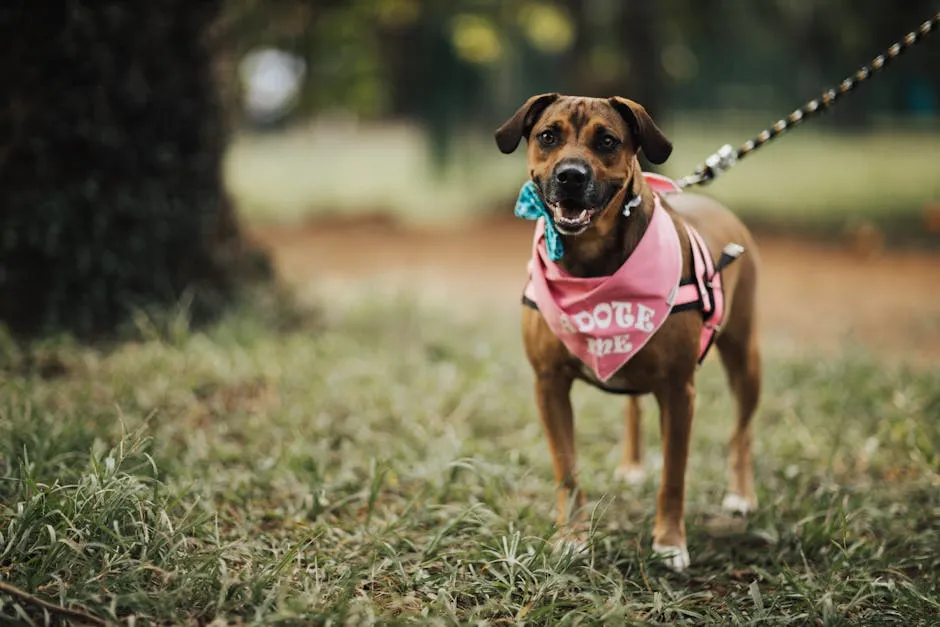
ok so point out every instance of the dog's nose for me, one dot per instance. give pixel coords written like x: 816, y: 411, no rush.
x: 571, y: 177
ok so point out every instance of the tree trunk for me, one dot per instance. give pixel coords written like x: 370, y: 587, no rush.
x: 578, y: 60
x: 640, y: 40
x: 110, y: 185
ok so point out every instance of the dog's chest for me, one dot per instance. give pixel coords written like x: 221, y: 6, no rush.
x: 637, y: 376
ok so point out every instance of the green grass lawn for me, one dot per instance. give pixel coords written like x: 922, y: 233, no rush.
x: 380, y: 461
x: 811, y: 177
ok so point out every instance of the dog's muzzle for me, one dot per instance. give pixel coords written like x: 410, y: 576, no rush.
x: 574, y: 196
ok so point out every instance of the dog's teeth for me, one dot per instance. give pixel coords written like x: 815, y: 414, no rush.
x: 583, y: 214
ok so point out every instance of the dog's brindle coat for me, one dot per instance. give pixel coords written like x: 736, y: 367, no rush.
x: 596, y: 141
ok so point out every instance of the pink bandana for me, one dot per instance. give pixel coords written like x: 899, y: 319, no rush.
x: 606, y: 320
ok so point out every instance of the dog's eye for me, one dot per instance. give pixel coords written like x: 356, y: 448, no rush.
x: 607, y: 142
x: 547, y: 138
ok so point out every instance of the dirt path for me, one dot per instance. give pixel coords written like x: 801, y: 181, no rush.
x: 812, y: 295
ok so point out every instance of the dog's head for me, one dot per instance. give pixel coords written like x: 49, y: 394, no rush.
x: 582, y: 152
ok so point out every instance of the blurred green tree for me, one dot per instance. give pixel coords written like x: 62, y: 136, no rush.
x: 451, y: 65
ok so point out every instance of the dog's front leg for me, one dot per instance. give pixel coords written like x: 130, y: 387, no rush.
x: 676, y: 407
x: 553, y: 395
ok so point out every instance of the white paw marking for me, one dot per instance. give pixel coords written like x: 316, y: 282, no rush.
x: 674, y: 557
x: 631, y: 475
x: 736, y: 504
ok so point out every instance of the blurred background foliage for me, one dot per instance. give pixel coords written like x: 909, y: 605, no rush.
x: 130, y: 126
x: 409, y: 91
x: 459, y: 63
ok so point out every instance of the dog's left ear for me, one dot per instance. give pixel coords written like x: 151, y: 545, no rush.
x: 520, y: 124
x: 651, y: 139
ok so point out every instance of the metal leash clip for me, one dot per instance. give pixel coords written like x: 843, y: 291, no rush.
x: 717, y: 163
x: 722, y: 160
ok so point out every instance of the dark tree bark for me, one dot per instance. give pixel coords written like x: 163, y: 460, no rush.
x: 110, y: 183
x: 577, y: 66
x: 640, y: 39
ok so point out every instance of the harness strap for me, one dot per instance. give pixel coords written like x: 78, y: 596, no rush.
x: 704, y: 272
x: 728, y: 254
x: 687, y: 296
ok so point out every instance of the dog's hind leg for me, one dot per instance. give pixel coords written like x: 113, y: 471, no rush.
x: 631, y: 470
x: 741, y: 359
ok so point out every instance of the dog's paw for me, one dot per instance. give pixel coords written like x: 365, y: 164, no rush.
x: 736, y: 504
x: 630, y: 474
x: 675, y: 558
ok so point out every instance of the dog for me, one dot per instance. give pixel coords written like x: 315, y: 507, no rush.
x: 583, y: 163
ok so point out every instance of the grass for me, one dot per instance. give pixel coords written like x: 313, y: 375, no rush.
x: 886, y: 175
x: 378, y: 461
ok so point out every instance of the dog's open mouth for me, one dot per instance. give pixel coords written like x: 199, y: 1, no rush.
x: 572, y: 219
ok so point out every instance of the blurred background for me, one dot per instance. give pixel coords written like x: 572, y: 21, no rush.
x: 410, y: 91
x: 155, y: 154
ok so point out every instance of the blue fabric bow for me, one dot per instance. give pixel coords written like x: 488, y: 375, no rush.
x: 530, y: 207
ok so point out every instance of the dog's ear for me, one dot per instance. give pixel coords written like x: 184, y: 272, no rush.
x: 651, y: 139
x: 520, y: 124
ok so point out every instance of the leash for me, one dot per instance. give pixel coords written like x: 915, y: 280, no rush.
x: 726, y: 156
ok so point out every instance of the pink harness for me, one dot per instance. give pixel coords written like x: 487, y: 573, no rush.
x: 605, y: 321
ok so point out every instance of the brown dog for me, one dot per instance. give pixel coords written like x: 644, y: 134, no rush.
x: 582, y: 154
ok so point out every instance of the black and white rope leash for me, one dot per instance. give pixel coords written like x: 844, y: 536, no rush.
x: 727, y: 156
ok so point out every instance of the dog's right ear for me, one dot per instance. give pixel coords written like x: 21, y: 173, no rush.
x: 520, y: 124
x: 651, y: 139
